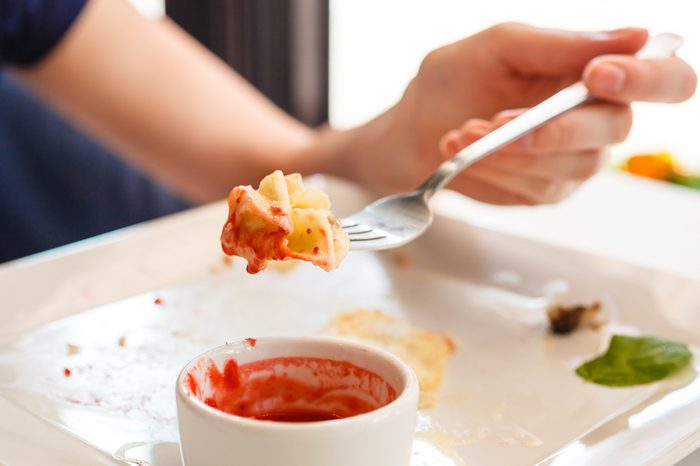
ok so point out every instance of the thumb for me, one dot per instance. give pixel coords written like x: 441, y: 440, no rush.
x: 550, y: 52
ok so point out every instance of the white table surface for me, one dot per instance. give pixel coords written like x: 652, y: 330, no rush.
x: 634, y: 220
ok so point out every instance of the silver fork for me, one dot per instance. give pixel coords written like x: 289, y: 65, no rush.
x: 396, y: 220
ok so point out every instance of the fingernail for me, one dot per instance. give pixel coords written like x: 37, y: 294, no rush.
x: 614, y: 33
x: 624, y: 31
x: 608, y: 78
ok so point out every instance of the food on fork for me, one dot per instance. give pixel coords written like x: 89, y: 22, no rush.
x: 283, y: 220
x: 426, y: 351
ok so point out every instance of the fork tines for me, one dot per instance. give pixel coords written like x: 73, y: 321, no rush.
x: 359, y: 232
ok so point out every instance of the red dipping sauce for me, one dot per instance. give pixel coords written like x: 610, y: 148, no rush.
x: 289, y: 389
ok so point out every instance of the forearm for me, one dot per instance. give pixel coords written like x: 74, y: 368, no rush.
x: 167, y: 104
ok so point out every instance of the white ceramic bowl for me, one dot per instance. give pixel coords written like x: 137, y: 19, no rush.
x: 381, y: 437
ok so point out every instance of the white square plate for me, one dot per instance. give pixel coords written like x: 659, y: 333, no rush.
x: 510, y: 395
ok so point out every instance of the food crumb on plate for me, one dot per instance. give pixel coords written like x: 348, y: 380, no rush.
x: 401, y: 259
x: 158, y: 301
x: 72, y: 349
x: 565, y: 319
x: 121, y: 341
x: 66, y: 372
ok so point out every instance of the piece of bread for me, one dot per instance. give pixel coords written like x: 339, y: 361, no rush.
x: 426, y: 351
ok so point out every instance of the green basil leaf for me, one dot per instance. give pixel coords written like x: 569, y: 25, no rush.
x: 689, y: 181
x: 635, y: 360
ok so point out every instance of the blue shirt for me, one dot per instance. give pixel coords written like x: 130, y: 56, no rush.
x: 29, y: 29
x: 56, y: 184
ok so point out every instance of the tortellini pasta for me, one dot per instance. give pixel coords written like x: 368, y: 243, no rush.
x: 283, y: 220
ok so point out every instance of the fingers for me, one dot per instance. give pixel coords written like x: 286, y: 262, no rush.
x: 514, y: 177
x: 537, y: 190
x: 576, y: 166
x: 485, y: 191
x: 470, y: 131
x: 587, y: 128
x: 626, y: 79
x: 536, y: 51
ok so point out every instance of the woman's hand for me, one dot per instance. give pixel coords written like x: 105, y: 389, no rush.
x: 483, y: 81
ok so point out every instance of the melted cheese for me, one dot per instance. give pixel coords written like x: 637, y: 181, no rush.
x: 283, y: 220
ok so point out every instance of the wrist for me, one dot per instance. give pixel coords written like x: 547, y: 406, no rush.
x: 374, y: 154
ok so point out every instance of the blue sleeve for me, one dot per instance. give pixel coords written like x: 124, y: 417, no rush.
x: 29, y: 29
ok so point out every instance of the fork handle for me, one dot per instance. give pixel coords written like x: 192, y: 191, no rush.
x: 658, y: 46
